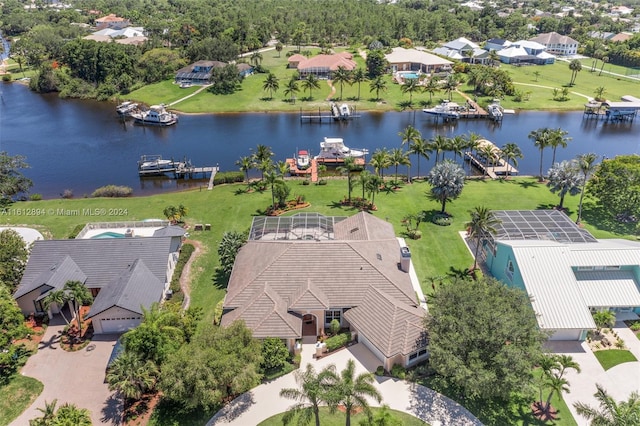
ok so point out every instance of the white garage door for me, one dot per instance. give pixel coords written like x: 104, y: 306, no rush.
x: 566, y: 334
x: 119, y: 325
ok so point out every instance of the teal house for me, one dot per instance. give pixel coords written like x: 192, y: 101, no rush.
x: 567, y: 273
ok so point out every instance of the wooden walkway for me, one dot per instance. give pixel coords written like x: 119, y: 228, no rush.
x: 492, y: 170
x: 215, y: 170
x: 312, y: 170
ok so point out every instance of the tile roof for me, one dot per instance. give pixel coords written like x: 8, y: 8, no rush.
x: 331, y: 62
x: 169, y: 231
x: 136, y: 286
x: 401, y: 55
x: 363, y: 226
x: 391, y: 326
x: 309, y: 296
x: 54, y: 277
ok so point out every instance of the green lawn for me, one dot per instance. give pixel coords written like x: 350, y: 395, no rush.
x: 338, y: 418
x: 612, y: 357
x: 17, y: 396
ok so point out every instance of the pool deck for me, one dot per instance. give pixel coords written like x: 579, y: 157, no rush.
x: 137, y: 232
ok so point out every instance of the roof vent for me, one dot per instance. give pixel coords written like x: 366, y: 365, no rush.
x: 379, y: 256
x: 354, y: 230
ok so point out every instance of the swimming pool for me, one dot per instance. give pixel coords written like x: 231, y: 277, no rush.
x: 108, y: 235
x: 409, y: 76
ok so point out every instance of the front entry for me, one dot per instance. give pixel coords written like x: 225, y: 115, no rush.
x: 309, y: 326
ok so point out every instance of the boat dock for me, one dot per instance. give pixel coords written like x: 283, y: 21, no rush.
x: 492, y: 167
x: 613, y: 111
x: 182, y: 170
x: 311, y: 170
x: 326, y: 117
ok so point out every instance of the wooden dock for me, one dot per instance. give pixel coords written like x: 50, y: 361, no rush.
x: 215, y: 170
x: 326, y: 117
x: 493, y: 167
x: 311, y: 170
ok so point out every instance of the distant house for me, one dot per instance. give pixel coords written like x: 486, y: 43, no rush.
x: 557, y: 44
x: 112, y: 21
x: 244, y: 69
x: 621, y: 37
x: 526, y: 52
x: 322, y: 66
x: 124, y: 275
x: 128, y: 35
x: 565, y: 271
x: 496, y: 44
x: 297, y: 274
x: 401, y: 59
x: 198, y: 73
x: 463, y: 50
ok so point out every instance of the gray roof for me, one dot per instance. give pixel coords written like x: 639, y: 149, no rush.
x: 54, y: 277
x: 364, y: 226
x: 553, y: 38
x: 170, y: 231
x: 99, y: 260
x: 136, y: 286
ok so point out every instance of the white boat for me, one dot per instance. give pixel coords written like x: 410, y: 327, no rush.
x: 303, y: 160
x: 495, y: 110
x: 154, y: 164
x: 335, y: 148
x: 156, y: 115
x: 340, y: 112
x: 126, y: 108
x: 448, y: 110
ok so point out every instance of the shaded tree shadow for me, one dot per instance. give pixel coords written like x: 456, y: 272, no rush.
x: 459, y: 273
x: 112, y: 410
x: 266, y: 99
x: 548, y: 206
x: 49, y: 343
x: 233, y: 410
x: 339, y: 205
x: 599, y: 217
x: 528, y: 184
x: 220, y: 280
x: 168, y: 413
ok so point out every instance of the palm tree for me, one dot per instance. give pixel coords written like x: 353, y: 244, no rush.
x: 482, y: 224
x: 59, y: 297
x: 291, y: 89
x: 457, y: 144
x: 450, y: 84
x: 540, y: 138
x: 282, y: 167
x: 310, y: 83
x: 313, y: 391
x: 599, y: 92
x: 341, y: 76
x: 359, y: 76
x: 48, y: 414
x: 575, y: 66
x: 348, y: 167
x: 557, y: 384
x: 431, y: 86
x: 565, y: 362
x: 439, y: 144
x: 373, y: 186
x: 446, y: 180
x: 380, y: 161
x: 604, y: 319
x: 409, y: 87
x: 605, y: 59
x: 279, y: 47
x: 245, y: 163
x: 69, y: 414
x: 610, y: 412
x: 536, y: 75
x: 379, y: 84
x: 80, y: 295
x: 494, y: 57
x: 558, y: 137
x: 488, y: 151
x: 256, y: 58
x: 262, y: 157
x: 419, y: 147
x: 511, y: 152
x: 351, y: 391
x: 131, y: 377
x: 587, y: 166
x: 271, y: 84
x: 399, y: 157
x: 271, y: 178
x: 409, y: 135
x: 564, y: 178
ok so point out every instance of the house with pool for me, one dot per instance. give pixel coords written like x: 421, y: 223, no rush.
x: 567, y: 273
x: 297, y: 274
x: 127, y: 267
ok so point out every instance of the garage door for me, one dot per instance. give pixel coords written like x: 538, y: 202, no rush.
x: 119, y: 325
x: 566, y: 334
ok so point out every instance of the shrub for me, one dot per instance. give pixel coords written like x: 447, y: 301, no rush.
x: 441, y: 219
x: 635, y: 326
x: 322, y: 182
x: 6, y: 78
x: 112, y: 191
x: 334, y: 326
x: 228, y: 177
x: 398, y: 371
x: 275, y: 353
x: 297, y: 359
x: 217, y: 312
x: 76, y: 230
x: 306, y: 182
x: 66, y: 194
x: 35, y: 197
x: 620, y: 344
x: 380, y: 371
x: 338, y: 341
x: 185, y: 253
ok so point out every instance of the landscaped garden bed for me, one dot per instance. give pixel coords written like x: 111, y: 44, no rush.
x: 609, y: 348
x: 634, y: 325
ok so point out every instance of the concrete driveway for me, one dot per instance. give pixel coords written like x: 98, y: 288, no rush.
x: 73, y: 377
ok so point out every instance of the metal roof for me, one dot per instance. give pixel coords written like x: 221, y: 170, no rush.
x: 608, y: 288
x: 550, y: 225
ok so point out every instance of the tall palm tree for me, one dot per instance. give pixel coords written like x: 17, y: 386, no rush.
x: 564, y: 178
x: 410, y: 86
x: 457, y: 145
x: 540, y: 138
x: 262, y: 158
x: 310, y: 83
x: 271, y: 84
x: 558, y: 137
x: 556, y: 384
x: 363, y: 178
x: 291, y: 89
x: 341, y: 76
x: 605, y: 59
x: 450, y: 84
x: 245, y: 163
x: 373, y: 186
x: 80, y: 295
x: 431, y: 86
x: 399, y: 157
x: 575, y: 66
x: 587, y: 166
x: 131, y: 377
x: 439, y: 145
x: 279, y: 47
x: 313, y: 390
x: 511, y: 152
x: 420, y: 147
x: 565, y: 362
x: 282, y: 167
x: 59, y: 297
x: 256, y: 58
x: 272, y: 178
x: 379, y: 84
x: 380, y: 161
x: 409, y: 135
x: 352, y: 391
x: 482, y: 225
x: 610, y: 412
x: 489, y: 153
x: 446, y: 180
x: 359, y: 76
x: 347, y: 168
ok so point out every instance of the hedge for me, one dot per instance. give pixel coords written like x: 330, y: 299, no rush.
x: 112, y: 191
x: 338, y: 341
x: 228, y: 177
x: 185, y: 253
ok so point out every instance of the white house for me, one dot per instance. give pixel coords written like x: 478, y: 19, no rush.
x: 557, y: 44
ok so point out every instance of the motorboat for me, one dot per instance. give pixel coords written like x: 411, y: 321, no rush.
x: 447, y: 110
x: 154, y: 164
x: 156, y: 115
x: 126, y: 108
x: 495, y: 110
x: 303, y: 160
x: 340, y: 112
x: 334, y: 148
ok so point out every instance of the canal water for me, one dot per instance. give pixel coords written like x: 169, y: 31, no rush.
x: 82, y: 145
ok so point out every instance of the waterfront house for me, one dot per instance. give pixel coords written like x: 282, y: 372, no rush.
x: 401, y: 59
x: 296, y: 274
x: 526, y: 52
x: 322, y: 66
x: 128, y: 35
x: 557, y: 44
x: 124, y: 275
x: 567, y: 273
x: 463, y: 50
x: 112, y: 21
x: 198, y: 73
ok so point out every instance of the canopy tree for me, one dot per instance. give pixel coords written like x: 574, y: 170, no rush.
x: 484, y: 338
x: 13, y: 259
x: 11, y: 327
x: 616, y: 187
x: 12, y: 181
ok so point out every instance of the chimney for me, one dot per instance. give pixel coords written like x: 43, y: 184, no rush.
x: 405, y: 259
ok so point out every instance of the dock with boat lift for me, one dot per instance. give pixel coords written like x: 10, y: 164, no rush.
x: 627, y: 110
x: 326, y: 117
x: 492, y: 167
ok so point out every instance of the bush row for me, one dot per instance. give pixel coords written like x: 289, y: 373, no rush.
x: 76, y: 230
x: 228, y: 177
x: 113, y: 191
x: 338, y: 341
x: 185, y: 253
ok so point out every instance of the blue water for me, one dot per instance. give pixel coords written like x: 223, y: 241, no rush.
x: 410, y: 76
x: 107, y: 235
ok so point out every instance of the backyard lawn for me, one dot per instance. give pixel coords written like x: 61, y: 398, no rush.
x: 17, y: 396
x: 611, y: 357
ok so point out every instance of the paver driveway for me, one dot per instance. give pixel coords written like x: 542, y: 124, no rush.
x: 73, y: 377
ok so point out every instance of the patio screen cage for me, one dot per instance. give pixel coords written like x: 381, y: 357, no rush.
x: 302, y: 226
